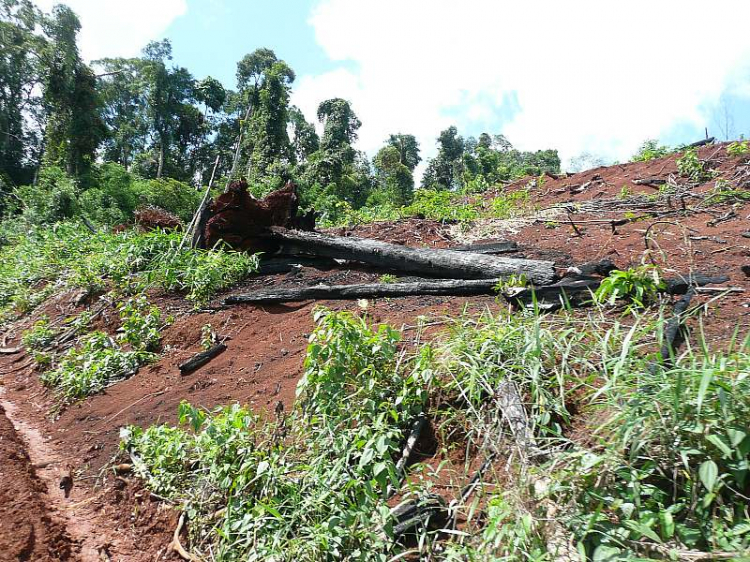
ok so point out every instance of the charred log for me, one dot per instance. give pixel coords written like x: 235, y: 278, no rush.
x: 449, y: 287
x: 242, y: 221
x: 447, y: 264
x: 199, y: 359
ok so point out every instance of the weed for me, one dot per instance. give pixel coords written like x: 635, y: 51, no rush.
x: 387, y: 278
x: 693, y: 168
x: 40, y: 336
x: 88, y: 369
x: 640, y: 286
x: 320, y: 492
x: 739, y: 149
x: 650, y: 150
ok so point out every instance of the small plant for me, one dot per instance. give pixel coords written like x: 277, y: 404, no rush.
x: 511, y: 282
x: 90, y: 368
x: 693, y: 168
x: 40, y: 336
x: 208, y: 337
x: 640, y: 286
x: 552, y: 225
x: 387, y: 278
x: 739, y: 148
x: 141, y: 324
x: 650, y: 150
x: 625, y: 192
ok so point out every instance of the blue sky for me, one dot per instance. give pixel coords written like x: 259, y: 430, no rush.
x: 590, y: 76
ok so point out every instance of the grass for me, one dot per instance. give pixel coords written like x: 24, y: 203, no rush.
x: 634, y: 459
x: 43, y: 260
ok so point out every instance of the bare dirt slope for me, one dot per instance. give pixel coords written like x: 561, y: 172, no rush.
x: 109, y: 518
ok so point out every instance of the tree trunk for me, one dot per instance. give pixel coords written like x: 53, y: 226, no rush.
x: 454, y: 287
x: 448, y: 264
x: 160, y: 168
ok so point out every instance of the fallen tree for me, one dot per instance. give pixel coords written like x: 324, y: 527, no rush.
x: 449, y: 287
x: 447, y: 264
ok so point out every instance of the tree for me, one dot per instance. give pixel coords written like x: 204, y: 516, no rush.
x: 122, y: 90
x: 395, y: 179
x: 169, y: 92
x: 267, y: 141
x: 340, y: 124
x: 305, y: 140
x: 74, y: 127
x: 408, y: 149
x: 20, y: 102
x: 444, y: 171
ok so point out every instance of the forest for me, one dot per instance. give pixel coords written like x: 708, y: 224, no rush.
x: 99, y: 139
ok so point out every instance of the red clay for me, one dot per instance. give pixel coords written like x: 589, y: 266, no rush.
x: 266, y: 346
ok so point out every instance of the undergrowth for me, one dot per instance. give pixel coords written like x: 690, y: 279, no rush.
x: 616, y: 455
x: 309, y: 487
x: 45, y: 259
x: 99, y: 360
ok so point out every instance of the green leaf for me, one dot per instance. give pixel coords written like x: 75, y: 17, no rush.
x: 708, y: 473
x: 643, y: 530
x: 667, y: 524
x: 705, y: 381
x: 720, y: 444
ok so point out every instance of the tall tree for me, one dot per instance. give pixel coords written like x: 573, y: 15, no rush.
x: 20, y: 102
x: 444, y: 170
x: 305, y: 140
x: 169, y: 92
x: 408, y: 149
x: 267, y: 139
x: 123, y: 93
x: 74, y: 127
x: 395, y: 178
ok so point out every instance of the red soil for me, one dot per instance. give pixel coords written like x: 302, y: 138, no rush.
x: 263, y: 363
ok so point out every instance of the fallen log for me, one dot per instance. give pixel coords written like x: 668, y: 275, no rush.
x: 448, y: 264
x: 552, y: 297
x: 199, y: 359
x: 446, y: 287
x: 285, y: 265
x: 682, y: 283
x: 672, y: 331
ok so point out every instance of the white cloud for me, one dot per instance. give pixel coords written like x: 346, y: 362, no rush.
x: 587, y: 75
x: 120, y: 28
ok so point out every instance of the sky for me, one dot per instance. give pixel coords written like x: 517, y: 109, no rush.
x: 579, y: 76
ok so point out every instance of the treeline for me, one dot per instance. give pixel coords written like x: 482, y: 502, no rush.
x: 103, y: 138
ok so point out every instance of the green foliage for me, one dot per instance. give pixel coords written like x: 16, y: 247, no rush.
x: 388, y: 278
x: 39, y: 337
x: 506, y: 205
x: 141, y: 324
x: 91, y: 367
x: 739, y: 149
x: 442, y: 205
x: 67, y: 254
x: 651, y: 150
x: 676, y: 464
x: 693, y: 168
x: 321, y: 492
x: 640, y: 286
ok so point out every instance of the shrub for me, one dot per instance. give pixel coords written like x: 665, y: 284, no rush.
x: 640, y: 286
x: 650, y: 150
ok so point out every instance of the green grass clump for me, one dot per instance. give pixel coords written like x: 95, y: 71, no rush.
x: 36, y: 263
x: 672, y: 472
